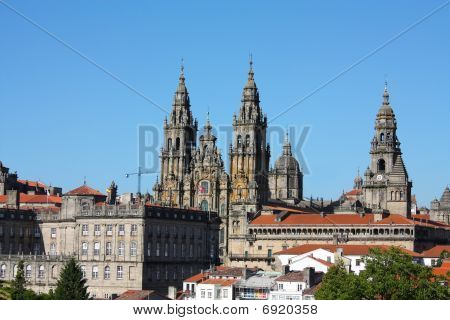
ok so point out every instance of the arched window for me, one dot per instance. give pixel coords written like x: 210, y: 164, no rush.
x: 239, y: 141
x: 54, y: 272
x: 204, y: 205
x: 247, y: 140
x: 52, y: 249
x: 3, y: 271
x: 169, y: 144
x: 382, y: 137
x: 15, y: 268
x: 222, y: 208
x: 401, y: 195
x: 381, y: 165
x: 121, y: 248
x: 133, y: 248
x: 177, y: 144
x: 96, y: 248
x: 392, y: 195
x: 107, y: 274
x: 28, y: 270
x: 41, y: 272
x: 204, y: 187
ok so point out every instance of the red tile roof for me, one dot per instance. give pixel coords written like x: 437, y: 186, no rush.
x: 436, y: 251
x: 325, y: 263
x: 33, y: 183
x: 293, y: 276
x: 354, y: 192
x: 348, y: 249
x: 222, y: 282
x: 279, y: 207
x: 421, y: 216
x: 197, y: 278
x: 141, y: 295
x: 443, y: 270
x: 84, y: 190
x: 341, y: 219
x: 34, y: 198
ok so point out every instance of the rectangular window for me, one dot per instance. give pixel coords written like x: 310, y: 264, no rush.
x: 174, y: 249
x: 166, y: 249
x: 149, y: 249
x: 53, y: 233
x: 358, y: 262
x: 121, y: 229
x: 109, y: 229
x: 299, y: 287
x: 280, y: 286
x: 134, y: 229
x: 97, y: 230
x: 209, y: 294
x: 225, y: 293
x: 83, y: 271
x: 202, y: 294
x: 108, y: 248
x: 119, y: 272
x: 157, y: 249
x: 84, y: 229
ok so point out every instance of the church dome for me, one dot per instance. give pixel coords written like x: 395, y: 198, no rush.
x: 385, y: 110
x: 445, y: 199
x: 286, y: 161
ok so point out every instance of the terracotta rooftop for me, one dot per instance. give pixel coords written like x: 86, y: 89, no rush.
x: 197, y: 278
x: 348, y: 249
x: 293, y: 276
x: 341, y: 219
x: 222, y: 282
x: 33, y: 183
x: 84, y: 190
x: 436, y: 251
x: 354, y: 192
x: 231, y: 272
x: 34, y: 198
x: 141, y: 295
x: 443, y: 270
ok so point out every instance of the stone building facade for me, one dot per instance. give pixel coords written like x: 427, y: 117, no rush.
x: 119, y: 246
x: 440, y: 209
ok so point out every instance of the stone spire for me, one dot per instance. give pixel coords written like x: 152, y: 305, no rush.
x: 287, y: 146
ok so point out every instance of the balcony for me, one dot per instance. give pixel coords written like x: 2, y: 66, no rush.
x: 254, y: 257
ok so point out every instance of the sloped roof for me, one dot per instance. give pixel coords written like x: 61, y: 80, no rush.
x: 142, y: 295
x: 84, y: 190
x: 34, y: 198
x: 222, y: 282
x: 347, y: 249
x: 436, y: 251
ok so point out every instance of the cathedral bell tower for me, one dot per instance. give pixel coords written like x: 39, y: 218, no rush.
x: 386, y: 184
x: 180, y: 134
x: 249, y: 153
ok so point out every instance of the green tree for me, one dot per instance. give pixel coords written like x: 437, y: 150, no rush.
x: 5, y: 290
x: 443, y: 256
x: 393, y: 275
x: 71, y: 284
x: 338, y: 284
x: 18, y: 290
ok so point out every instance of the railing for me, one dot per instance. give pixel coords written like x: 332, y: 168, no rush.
x: 239, y: 256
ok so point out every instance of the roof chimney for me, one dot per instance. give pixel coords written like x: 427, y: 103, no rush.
x: 172, y: 292
x: 13, y: 199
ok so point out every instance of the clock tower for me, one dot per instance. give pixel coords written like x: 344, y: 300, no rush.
x: 386, y: 184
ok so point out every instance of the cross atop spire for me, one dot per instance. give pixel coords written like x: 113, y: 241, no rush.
x: 182, y: 71
x: 250, y: 72
x: 385, y: 93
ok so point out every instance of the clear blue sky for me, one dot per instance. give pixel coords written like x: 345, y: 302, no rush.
x: 63, y: 119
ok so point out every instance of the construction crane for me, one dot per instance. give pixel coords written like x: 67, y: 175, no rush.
x: 139, y: 173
